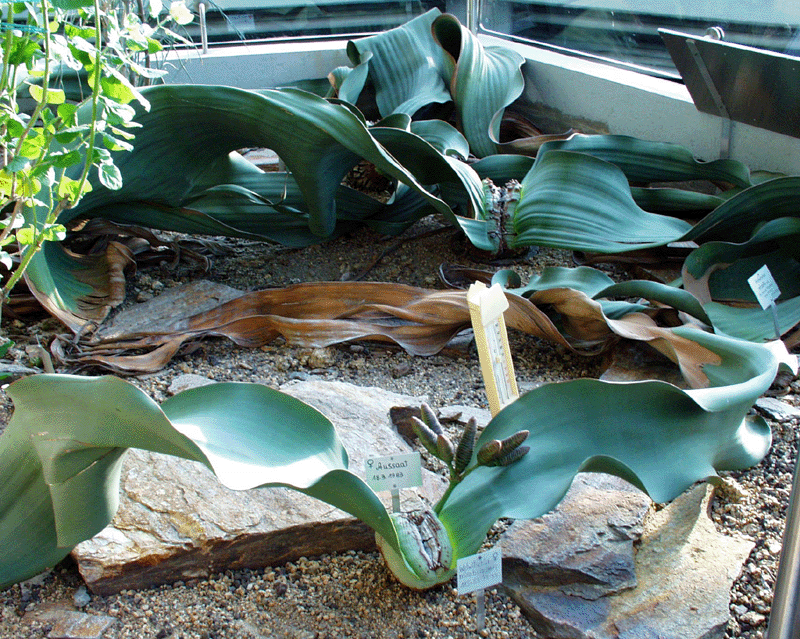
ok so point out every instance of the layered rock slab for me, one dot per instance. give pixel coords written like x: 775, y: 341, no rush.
x: 177, y: 522
x: 585, y: 548
x: 603, y: 566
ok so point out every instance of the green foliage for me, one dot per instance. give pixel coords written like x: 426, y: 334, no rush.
x: 61, y: 452
x: 577, y: 201
x: 576, y: 194
x: 654, y: 435
x: 52, y: 145
x: 433, y: 60
x: 60, y: 455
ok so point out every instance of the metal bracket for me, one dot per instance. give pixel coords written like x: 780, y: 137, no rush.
x: 725, y: 137
x: 755, y: 86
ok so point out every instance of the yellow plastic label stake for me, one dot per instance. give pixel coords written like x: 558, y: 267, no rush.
x: 486, y: 307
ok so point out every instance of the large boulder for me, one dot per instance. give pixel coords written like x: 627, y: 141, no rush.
x: 176, y: 521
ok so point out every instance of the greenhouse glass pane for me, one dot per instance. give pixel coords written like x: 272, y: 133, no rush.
x: 247, y: 20
x: 626, y: 30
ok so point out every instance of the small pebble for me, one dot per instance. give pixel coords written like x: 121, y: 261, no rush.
x: 81, y: 598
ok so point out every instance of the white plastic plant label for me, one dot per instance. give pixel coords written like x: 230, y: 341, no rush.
x: 393, y: 472
x: 764, y: 286
x: 479, y: 572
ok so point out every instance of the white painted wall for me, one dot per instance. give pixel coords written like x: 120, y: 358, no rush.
x: 628, y: 103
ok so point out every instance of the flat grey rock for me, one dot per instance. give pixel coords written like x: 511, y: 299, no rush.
x: 679, y: 587
x: 72, y: 624
x: 166, y: 312
x: 10, y: 372
x: 777, y: 409
x: 177, y: 522
x: 586, y: 546
x: 187, y: 382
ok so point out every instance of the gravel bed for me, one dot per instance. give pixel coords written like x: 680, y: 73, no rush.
x: 348, y: 595
x: 353, y: 594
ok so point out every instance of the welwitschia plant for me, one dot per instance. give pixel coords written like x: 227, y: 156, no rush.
x: 182, y: 174
x: 61, y: 453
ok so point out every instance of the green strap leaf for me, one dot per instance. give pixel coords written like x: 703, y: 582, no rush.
x: 677, y: 298
x: 61, y: 453
x: 753, y: 324
x: 736, y: 219
x: 646, y: 161
x: 579, y: 202
x: 46, y: 450
x: 406, y: 68
x: 460, y: 185
x: 500, y: 169
x: 189, y: 127
x: 634, y: 430
x: 350, y: 82
x: 717, y: 274
x: 484, y: 81
x: 443, y: 137
x: 64, y: 283
x: 719, y: 270
x: 583, y: 278
x: 675, y: 200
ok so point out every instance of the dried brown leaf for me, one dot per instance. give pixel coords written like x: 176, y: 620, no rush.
x: 583, y: 319
x: 136, y: 364
x: 320, y: 314
x: 313, y: 315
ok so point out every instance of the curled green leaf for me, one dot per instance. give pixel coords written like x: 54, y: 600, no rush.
x: 61, y: 452
x: 665, y: 439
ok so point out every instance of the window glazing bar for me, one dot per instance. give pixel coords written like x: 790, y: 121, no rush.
x: 473, y: 15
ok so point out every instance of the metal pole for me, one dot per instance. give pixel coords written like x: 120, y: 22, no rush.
x: 203, y: 27
x: 480, y: 609
x: 784, y: 618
